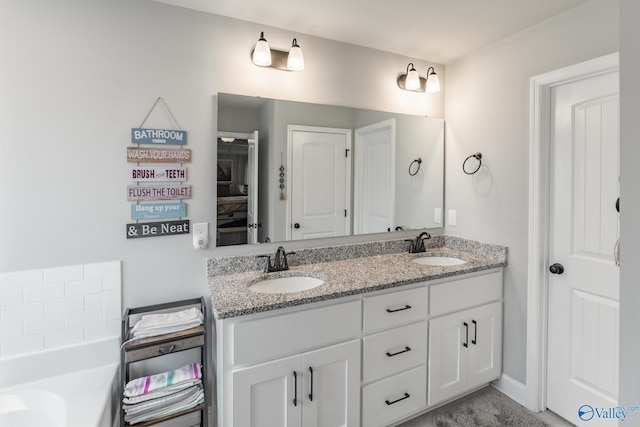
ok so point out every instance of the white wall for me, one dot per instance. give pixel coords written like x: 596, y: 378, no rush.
x: 487, y: 110
x: 77, y: 75
x: 630, y: 205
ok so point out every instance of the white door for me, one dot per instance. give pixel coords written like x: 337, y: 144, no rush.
x: 331, y: 390
x: 582, y: 372
x: 263, y: 395
x: 374, y: 183
x: 320, y: 182
x: 447, y: 357
x: 252, y: 190
x: 485, y: 344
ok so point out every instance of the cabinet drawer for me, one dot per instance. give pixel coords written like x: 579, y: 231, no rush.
x: 163, y: 348
x: 269, y: 337
x: 464, y: 293
x: 394, y: 351
x: 395, y: 308
x: 394, y: 398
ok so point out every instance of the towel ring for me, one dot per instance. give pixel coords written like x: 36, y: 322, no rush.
x: 419, y: 162
x: 478, y: 157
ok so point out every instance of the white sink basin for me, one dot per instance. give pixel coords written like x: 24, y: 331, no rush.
x: 284, y: 285
x: 439, y: 261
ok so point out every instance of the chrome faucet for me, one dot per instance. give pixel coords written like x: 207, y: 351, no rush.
x: 417, y: 244
x: 279, y: 261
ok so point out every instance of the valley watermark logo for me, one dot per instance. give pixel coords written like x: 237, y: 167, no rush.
x: 589, y: 413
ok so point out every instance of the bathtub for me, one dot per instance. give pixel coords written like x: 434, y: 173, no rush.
x: 75, y: 386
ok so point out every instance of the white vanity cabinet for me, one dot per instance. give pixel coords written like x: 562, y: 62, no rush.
x: 299, y: 368
x: 465, y: 345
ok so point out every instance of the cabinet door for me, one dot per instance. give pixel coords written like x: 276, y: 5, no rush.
x: 485, y: 344
x: 331, y: 386
x: 447, y: 357
x: 263, y: 395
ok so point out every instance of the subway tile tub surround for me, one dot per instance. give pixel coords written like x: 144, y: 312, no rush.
x: 346, y: 269
x: 43, y: 309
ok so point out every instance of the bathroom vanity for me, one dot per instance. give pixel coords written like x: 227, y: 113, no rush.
x: 382, y: 339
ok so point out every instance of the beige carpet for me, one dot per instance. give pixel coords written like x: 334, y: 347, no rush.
x: 484, y: 408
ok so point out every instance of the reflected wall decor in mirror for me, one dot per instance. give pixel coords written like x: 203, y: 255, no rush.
x: 292, y: 170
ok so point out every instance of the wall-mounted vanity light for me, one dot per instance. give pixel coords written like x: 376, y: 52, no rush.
x: 412, y: 81
x: 263, y: 56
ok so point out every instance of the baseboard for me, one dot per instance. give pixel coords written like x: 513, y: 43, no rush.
x: 513, y: 389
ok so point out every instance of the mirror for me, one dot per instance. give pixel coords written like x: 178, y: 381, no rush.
x: 323, y: 171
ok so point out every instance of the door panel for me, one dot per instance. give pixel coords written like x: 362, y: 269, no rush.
x: 320, y: 180
x: 583, y: 301
x: 485, y: 354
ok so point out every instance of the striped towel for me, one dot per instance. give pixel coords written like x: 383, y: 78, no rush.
x: 144, y: 385
x: 161, y: 392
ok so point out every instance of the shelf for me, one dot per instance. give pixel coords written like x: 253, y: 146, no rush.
x: 201, y: 407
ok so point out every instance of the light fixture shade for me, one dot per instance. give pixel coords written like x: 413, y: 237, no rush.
x: 433, y: 82
x: 262, y: 52
x: 413, y: 80
x: 295, y: 61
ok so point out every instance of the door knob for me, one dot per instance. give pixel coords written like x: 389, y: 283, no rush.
x: 556, y: 269
x: 296, y: 225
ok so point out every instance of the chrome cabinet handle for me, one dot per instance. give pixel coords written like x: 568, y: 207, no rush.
x: 616, y: 253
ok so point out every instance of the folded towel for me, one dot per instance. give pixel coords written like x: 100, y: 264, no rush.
x: 163, y: 323
x: 144, y: 385
x: 153, y: 405
x: 161, y: 392
x: 183, y: 405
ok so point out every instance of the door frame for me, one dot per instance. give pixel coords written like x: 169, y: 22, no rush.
x: 348, y: 178
x: 539, y: 210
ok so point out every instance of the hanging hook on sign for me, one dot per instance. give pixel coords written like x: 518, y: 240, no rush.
x: 417, y: 161
x: 478, y: 157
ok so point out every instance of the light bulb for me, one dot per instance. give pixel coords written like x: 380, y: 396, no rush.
x: 262, y: 52
x: 295, y: 61
x: 413, y: 80
x: 433, y: 82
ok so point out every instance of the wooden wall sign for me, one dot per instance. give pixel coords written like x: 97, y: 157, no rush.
x: 158, y: 210
x: 158, y: 155
x: 159, y: 174
x: 158, y: 192
x: 157, y: 229
x: 158, y: 136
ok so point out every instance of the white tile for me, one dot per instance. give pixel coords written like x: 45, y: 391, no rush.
x: 21, y: 279
x: 112, y: 305
x: 62, y: 338
x: 44, y: 325
x: 63, y: 274
x: 11, y: 330
x: 83, y: 287
x: 44, y: 293
x: 94, y: 332
x: 112, y: 328
x: 84, y: 318
x: 15, y: 346
x: 14, y: 313
x: 94, y: 301
x: 11, y: 297
x: 63, y: 306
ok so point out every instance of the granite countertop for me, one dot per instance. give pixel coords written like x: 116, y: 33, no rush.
x: 231, y: 297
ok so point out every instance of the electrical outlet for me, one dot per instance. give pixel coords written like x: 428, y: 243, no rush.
x: 200, y: 228
x: 452, y: 217
x: 437, y: 215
